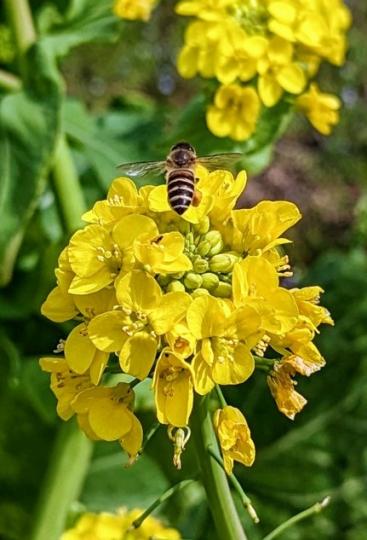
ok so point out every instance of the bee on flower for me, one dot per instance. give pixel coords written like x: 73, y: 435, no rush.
x: 188, y: 300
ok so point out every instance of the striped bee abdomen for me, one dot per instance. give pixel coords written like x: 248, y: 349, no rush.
x: 180, y: 188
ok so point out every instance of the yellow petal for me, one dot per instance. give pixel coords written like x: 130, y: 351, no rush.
x: 171, y: 309
x: 91, y: 284
x: 138, y: 354
x: 236, y: 370
x: 132, y: 441
x: 138, y: 290
x: 131, y: 227
x: 292, y: 78
x: 106, y: 332
x: 79, y: 349
x: 203, y: 380
x: 59, y: 306
x: 109, y: 420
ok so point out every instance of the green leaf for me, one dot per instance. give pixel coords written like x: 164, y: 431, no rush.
x: 29, y: 126
x: 84, y: 21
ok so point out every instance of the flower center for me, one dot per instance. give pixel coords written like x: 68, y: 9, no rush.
x: 251, y: 15
x: 224, y: 348
x: 171, y: 375
x: 112, y: 258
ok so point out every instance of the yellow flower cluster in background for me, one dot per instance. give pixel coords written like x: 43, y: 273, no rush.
x: 189, y: 301
x: 262, y: 51
x: 134, y: 9
x: 108, y: 526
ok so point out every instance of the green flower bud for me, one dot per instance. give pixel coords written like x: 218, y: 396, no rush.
x: 199, y: 292
x: 176, y: 286
x: 200, y: 265
x: 183, y: 226
x: 178, y: 275
x: 193, y: 281
x: 210, y: 281
x: 203, y: 248
x: 222, y: 262
x: 203, y: 226
x: 163, y: 280
x: 227, y: 278
x: 216, y: 242
x: 224, y: 290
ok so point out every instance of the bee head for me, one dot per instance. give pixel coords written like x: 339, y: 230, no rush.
x: 183, y: 154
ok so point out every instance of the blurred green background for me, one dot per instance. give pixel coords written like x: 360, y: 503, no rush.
x: 123, y: 102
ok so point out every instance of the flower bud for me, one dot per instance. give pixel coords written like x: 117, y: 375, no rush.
x: 199, y: 292
x: 200, y: 265
x: 223, y: 262
x: 216, y: 242
x: 183, y: 226
x: 163, y: 280
x: 178, y: 275
x: 210, y: 281
x: 176, y: 286
x: 193, y: 281
x: 204, y: 248
x: 203, y: 226
x: 224, y: 290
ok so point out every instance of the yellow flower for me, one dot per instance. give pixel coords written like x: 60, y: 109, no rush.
x: 308, y: 299
x: 225, y: 337
x: 133, y: 331
x: 258, y: 229
x: 173, y: 389
x: 234, y: 113
x: 64, y: 384
x: 162, y: 254
x: 255, y: 282
x: 97, y: 255
x: 278, y: 72
x: 234, y: 437
x: 203, y: 9
x: 106, y: 413
x: 108, y: 526
x: 281, y: 385
x: 134, y: 9
x: 321, y: 109
x: 123, y: 199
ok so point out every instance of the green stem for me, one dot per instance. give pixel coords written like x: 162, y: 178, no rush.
x: 68, y: 466
x: 67, y: 186
x: 20, y: 19
x: 314, y: 509
x: 9, y: 82
x: 220, y: 395
x: 227, y: 522
x: 166, y: 495
x: 246, y: 501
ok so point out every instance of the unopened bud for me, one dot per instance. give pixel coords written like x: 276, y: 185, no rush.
x: 183, y: 226
x: 210, y: 281
x: 216, y: 242
x: 163, y: 280
x: 178, y: 275
x: 203, y: 226
x: 193, y: 281
x: 199, y: 292
x: 204, y: 248
x: 200, y: 265
x: 176, y: 286
x: 222, y: 263
x: 224, y: 290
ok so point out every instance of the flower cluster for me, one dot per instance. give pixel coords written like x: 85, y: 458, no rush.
x: 107, y: 526
x: 190, y: 301
x: 262, y: 51
x: 134, y: 9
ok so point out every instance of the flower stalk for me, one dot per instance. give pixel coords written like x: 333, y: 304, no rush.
x: 215, y: 482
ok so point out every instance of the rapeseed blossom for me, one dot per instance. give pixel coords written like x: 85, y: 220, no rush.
x: 108, y: 526
x: 272, y: 49
x: 188, y: 302
x: 134, y: 9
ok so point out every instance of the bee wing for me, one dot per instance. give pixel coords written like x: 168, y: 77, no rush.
x: 142, y: 168
x: 220, y: 161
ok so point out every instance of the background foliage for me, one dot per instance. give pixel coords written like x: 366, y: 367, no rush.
x: 114, y: 104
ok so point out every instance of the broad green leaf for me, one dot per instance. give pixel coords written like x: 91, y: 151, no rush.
x: 29, y: 126
x: 84, y: 21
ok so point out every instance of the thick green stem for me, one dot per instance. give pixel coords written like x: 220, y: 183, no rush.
x: 20, y: 19
x: 69, y: 463
x: 67, y: 186
x: 226, y: 520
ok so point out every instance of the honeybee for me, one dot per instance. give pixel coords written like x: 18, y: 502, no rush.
x: 179, y: 170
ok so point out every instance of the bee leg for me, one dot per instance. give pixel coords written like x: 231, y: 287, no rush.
x: 196, y: 198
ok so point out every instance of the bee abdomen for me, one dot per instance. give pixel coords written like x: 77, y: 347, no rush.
x: 180, y: 187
